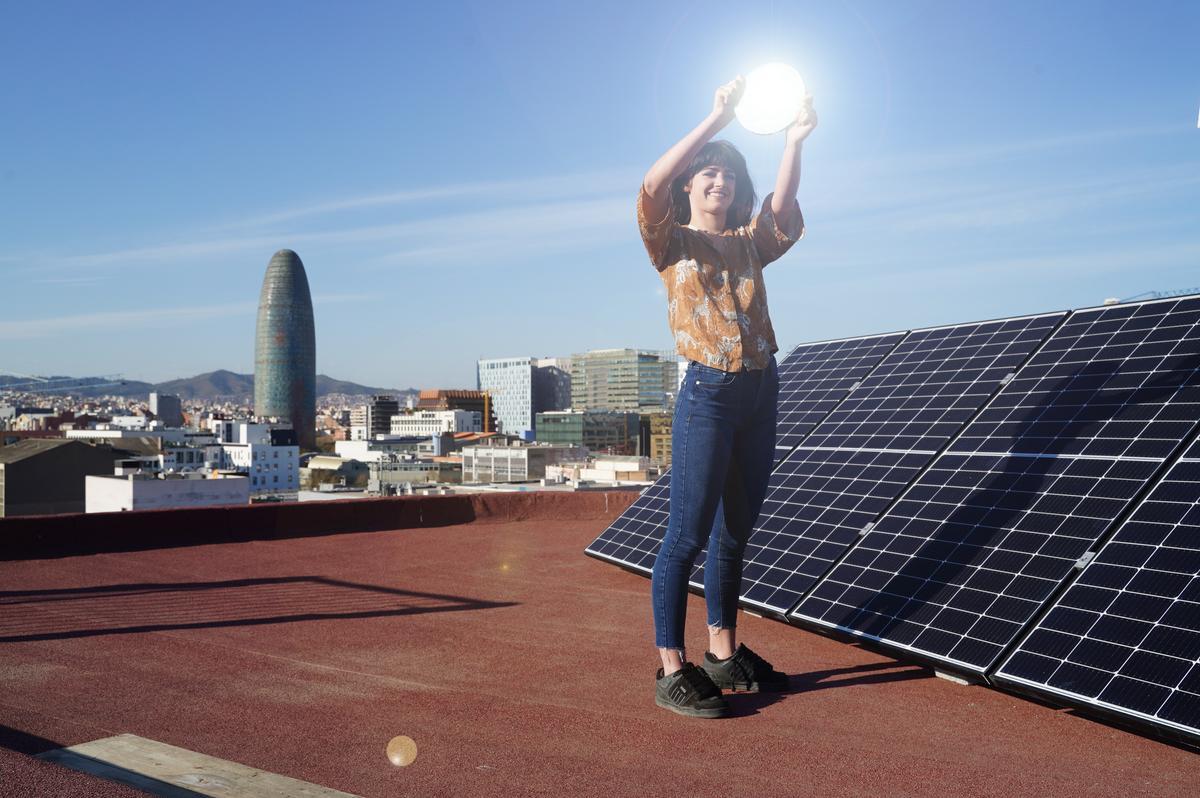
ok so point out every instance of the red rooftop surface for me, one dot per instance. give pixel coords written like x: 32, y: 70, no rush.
x: 477, y: 627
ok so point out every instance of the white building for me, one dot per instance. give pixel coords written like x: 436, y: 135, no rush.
x: 380, y: 448
x: 519, y: 463
x: 107, y: 433
x: 610, y: 469
x: 267, y: 454
x: 435, y: 422
x: 172, y: 460
x: 130, y: 422
x: 110, y: 494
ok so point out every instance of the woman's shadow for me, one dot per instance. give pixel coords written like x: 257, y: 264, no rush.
x: 968, y: 588
x: 855, y: 675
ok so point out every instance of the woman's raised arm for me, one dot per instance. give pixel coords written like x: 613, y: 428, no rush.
x: 783, y: 201
x: 657, y: 181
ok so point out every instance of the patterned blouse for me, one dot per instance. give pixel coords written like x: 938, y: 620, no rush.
x: 716, y: 299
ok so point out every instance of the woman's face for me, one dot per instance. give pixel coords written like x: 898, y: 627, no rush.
x: 712, y: 189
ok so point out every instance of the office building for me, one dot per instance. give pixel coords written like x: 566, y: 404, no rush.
x: 626, y: 380
x: 167, y: 409
x: 285, y: 352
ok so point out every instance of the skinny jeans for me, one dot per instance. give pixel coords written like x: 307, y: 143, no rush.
x: 722, y: 452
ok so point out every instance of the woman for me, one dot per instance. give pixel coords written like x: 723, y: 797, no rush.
x: 695, y: 214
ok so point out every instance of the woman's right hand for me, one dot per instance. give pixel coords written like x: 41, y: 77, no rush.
x: 727, y: 98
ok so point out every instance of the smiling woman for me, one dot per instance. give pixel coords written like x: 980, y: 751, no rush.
x: 695, y: 213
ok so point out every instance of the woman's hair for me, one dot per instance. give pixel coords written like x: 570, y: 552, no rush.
x: 717, y: 153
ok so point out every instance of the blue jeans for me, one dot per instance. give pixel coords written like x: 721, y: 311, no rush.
x: 722, y: 452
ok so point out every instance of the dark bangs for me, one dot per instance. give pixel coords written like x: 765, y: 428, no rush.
x: 717, y: 153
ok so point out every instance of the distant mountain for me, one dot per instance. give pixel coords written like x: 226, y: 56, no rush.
x: 330, y: 385
x: 220, y: 384
x: 215, y: 385
x: 60, y: 385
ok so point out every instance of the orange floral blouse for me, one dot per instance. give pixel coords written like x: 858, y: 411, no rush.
x: 716, y: 299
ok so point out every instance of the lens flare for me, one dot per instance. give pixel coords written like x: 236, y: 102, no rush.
x: 774, y: 96
x: 401, y: 751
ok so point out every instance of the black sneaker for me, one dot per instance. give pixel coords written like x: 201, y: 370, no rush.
x: 746, y: 671
x: 689, y: 691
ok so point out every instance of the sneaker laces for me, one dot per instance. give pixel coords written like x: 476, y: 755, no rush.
x: 699, y: 681
x: 752, y: 664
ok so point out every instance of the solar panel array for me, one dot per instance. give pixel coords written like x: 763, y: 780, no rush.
x: 813, y: 378
x: 867, y: 450
x: 958, y: 567
x: 918, y: 507
x: 1125, y: 636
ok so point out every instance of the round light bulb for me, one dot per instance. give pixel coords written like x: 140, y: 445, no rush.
x: 773, y: 98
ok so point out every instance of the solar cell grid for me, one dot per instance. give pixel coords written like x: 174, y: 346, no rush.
x: 931, y: 384
x: 1125, y: 636
x: 1113, y: 382
x: 813, y: 378
x: 818, y: 503
x: 969, y: 554
x: 633, y: 539
x: 920, y: 395
x: 1029, y: 486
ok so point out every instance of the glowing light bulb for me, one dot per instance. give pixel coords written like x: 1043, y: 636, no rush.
x: 773, y: 97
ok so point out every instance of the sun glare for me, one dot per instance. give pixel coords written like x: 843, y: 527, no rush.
x: 773, y: 97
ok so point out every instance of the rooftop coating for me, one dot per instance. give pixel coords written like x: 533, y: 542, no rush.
x: 517, y: 665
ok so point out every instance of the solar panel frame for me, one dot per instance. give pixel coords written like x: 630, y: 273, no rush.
x: 986, y: 449
x: 1127, y: 628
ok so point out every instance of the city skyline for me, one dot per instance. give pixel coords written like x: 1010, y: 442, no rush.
x: 971, y: 163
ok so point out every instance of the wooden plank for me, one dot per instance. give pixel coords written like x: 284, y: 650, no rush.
x: 171, y: 772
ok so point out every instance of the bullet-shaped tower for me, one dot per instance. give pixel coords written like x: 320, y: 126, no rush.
x: 285, y: 350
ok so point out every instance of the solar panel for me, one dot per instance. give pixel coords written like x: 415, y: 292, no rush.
x: 967, y: 556
x: 1125, y: 636
x: 818, y: 502
x: 1113, y: 382
x: 922, y: 394
x: 633, y: 539
x: 812, y: 379
x: 874, y: 443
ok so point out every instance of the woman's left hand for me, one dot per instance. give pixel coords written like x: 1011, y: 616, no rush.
x: 806, y: 122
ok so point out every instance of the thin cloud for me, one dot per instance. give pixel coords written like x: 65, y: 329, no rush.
x: 125, y: 320
x: 529, y: 221
x: 956, y: 159
x: 995, y: 205
x: 534, y: 188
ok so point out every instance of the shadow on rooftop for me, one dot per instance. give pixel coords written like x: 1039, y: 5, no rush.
x: 856, y: 675
x: 24, y: 742
x: 58, y: 614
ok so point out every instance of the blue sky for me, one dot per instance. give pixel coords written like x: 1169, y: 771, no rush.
x: 459, y: 178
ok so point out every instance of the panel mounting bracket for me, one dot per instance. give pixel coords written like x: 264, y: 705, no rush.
x: 1086, y: 558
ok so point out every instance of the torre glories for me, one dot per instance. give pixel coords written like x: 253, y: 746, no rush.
x: 285, y: 349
